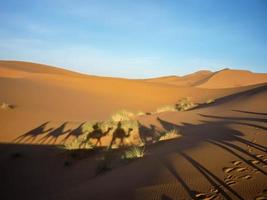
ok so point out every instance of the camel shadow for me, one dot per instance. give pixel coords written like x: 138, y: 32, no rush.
x: 74, y: 133
x: 52, y: 136
x: 120, y: 133
x: 97, y: 134
x: 33, y: 134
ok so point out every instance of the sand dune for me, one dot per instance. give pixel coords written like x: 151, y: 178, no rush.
x: 193, y: 79
x: 226, y: 78
x: 233, y: 78
x: 220, y: 152
x: 43, y: 93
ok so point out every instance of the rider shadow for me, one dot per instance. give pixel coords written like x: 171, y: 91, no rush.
x: 120, y: 133
x: 53, y: 135
x: 96, y: 134
x: 33, y: 134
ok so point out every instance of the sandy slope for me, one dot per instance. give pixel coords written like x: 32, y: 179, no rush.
x: 221, y: 153
x: 193, y: 79
x: 42, y: 93
x: 233, y: 78
x: 226, y: 78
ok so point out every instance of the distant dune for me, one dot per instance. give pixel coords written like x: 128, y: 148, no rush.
x: 193, y: 79
x: 233, y: 78
x: 226, y: 78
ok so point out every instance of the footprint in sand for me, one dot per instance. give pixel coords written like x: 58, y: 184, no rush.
x: 228, y: 169
x: 261, y: 198
x: 250, y: 150
x: 230, y: 182
x: 236, y: 162
x: 205, y: 196
x: 229, y: 177
x: 245, y: 177
x: 241, y: 169
x: 259, y: 156
x: 214, y: 190
x: 255, y: 161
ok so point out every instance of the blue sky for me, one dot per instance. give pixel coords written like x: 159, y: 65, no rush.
x: 136, y: 38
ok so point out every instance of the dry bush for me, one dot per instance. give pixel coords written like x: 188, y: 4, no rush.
x: 166, y: 108
x: 78, y: 143
x: 185, y: 104
x: 122, y: 115
x: 140, y: 113
x: 210, y: 101
x: 170, y: 135
x: 134, y: 152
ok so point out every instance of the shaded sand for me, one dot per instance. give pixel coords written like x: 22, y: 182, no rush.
x: 221, y: 153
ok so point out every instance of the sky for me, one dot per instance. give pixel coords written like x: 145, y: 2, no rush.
x: 136, y: 38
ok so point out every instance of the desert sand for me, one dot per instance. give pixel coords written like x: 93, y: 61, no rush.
x: 221, y: 151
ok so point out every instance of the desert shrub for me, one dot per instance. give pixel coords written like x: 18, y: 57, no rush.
x: 6, y: 106
x: 185, y: 104
x: 78, y: 143
x: 105, y: 125
x: 122, y: 115
x: 88, y: 127
x: 170, y: 135
x: 210, y: 101
x: 140, y: 113
x: 166, y: 108
x: 134, y: 152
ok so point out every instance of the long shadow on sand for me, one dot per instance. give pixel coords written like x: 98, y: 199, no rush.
x: 249, y: 112
x: 31, y: 135
x: 220, y: 135
x: 247, y: 93
x: 214, y: 130
x: 74, y: 133
x: 96, y: 134
x: 54, y: 134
